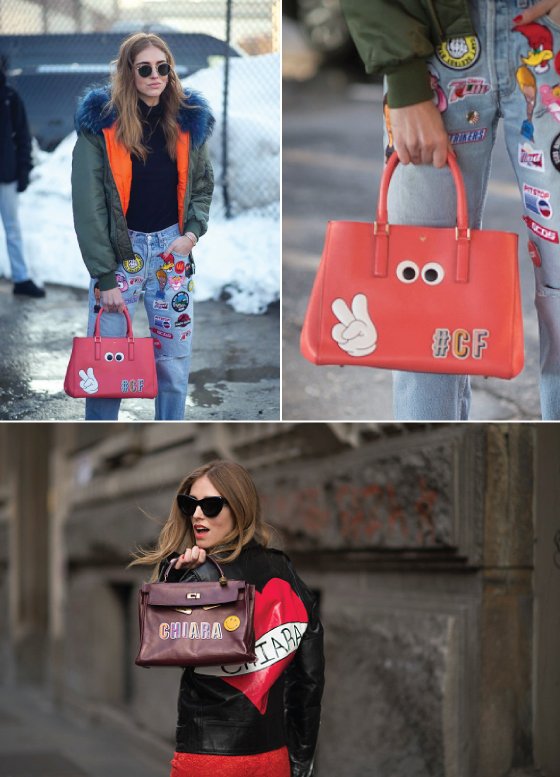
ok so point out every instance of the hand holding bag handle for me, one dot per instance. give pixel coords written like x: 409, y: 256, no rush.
x: 381, y: 226
x: 222, y: 581
x: 129, y: 334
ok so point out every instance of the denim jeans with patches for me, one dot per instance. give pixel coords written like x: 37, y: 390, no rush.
x: 514, y: 76
x: 167, y: 290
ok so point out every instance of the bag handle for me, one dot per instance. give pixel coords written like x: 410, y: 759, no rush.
x: 222, y: 581
x: 381, y: 227
x: 129, y: 334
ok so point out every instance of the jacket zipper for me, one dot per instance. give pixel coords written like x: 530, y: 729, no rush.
x: 437, y: 25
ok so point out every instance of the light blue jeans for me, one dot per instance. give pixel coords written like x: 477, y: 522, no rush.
x: 499, y: 74
x: 167, y: 289
x: 14, y: 241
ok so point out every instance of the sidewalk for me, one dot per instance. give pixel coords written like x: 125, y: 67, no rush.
x: 234, y: 372
x: 38, y: 741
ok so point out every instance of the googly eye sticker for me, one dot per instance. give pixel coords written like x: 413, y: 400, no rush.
x: 433, y: 273
x: 119, y: 357
x: 407, y: 271
x: 109, y: 356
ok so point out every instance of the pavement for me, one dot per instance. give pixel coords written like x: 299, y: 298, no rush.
x: 332, y: 162
x: 235, y: 372
x: 37, y: 740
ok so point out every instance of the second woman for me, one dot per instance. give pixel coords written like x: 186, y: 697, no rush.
x: 142, y: 186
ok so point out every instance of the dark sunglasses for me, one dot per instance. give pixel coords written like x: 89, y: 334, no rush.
x: 145, y: 71
x: 211, y: 506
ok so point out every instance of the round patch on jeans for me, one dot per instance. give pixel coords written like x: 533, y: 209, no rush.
x: 191, y: 286
x: 180, y: 301
x: 555, y: 152
x: 534, y: 254
x: 459, y: 53
x: 133, y: 266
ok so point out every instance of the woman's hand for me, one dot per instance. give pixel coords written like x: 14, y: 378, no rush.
x: 550, y: 7
x: 419, y: 135
x: 181, y: 245
x: 112, y: 301
x: 191, y: 558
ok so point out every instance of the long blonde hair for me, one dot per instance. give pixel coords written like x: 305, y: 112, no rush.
x: 234, y: 483
x: 124, y: 96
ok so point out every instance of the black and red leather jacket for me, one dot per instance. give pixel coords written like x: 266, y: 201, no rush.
x: 275, y: 701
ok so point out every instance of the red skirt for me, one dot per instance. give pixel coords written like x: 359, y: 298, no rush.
x: 273, y: 764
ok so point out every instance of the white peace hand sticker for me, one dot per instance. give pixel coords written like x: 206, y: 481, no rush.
x: 88, y: 381
x: 356, y: 334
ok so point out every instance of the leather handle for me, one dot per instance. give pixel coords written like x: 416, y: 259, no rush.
x: 223, y: 579
x: 381, y: 226
x: 390, y: 167
x: 129, y: 332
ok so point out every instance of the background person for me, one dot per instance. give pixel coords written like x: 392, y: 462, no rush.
x: 266, y: 721
x: 142, y: 185
x: 15, y: 166
x: 490, y: 62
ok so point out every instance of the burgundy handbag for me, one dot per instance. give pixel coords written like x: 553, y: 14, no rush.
x: 196, y: 624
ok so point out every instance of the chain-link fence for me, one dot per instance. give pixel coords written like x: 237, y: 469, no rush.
x: 229, y: 49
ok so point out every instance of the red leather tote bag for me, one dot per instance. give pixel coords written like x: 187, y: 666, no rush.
x: 196, y: 624
x: 426, y: 299
x: 112, y: 367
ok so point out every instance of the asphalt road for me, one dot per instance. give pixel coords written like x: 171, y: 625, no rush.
x: 234, y: 372
x: 332, y: 161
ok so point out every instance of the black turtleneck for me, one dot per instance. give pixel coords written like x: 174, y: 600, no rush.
x: 153, y: 193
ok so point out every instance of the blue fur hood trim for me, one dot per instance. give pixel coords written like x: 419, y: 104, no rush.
x: 90, y: 116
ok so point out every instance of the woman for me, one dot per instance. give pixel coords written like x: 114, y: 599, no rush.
x: 264, y: 722
x: 141, y: 190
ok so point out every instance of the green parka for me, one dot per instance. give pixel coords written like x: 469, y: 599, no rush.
x: 98, y: 183
x: 397, y: 37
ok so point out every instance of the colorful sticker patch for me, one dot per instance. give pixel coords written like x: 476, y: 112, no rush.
x: 133, y: 265
x: 161, y: 333
x: 191, y: 286
x: 540, y: 42
x: 461, y: 88
x: 550, y: 98
x: 459, y: 343
x: 555, y: 152
x: 160, y: 305
x: 547, y: 234
x: 468, y: 136
x: 185, y: 335
x: 163, y: 322
x: 180, y: 301
x: 534, y: 253
x: 183, y: 320
x: 134, y: 281
x: 180, y: 267
x: 439, y: 99
x: 537, y: 200
x: 176, y: 281
x: 459, y: 53
x: 531, y: 158
x: 122, y: 283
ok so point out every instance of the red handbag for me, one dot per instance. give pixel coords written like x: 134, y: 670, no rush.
x: 197, y: 623
x: 112, y: 367
x: 426, y: 299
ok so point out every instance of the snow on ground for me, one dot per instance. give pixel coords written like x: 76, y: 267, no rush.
x: 241, y: 256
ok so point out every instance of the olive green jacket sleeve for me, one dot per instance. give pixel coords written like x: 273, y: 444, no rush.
x: 396, y: 37
x: 196, y: 219
x: 89, y: 205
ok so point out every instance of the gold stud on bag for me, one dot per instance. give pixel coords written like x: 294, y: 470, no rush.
x: 174, y: 635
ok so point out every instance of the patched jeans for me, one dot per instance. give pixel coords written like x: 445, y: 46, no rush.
x: 513, y: 75
x: 167, y: 289
x: 14, y: 240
